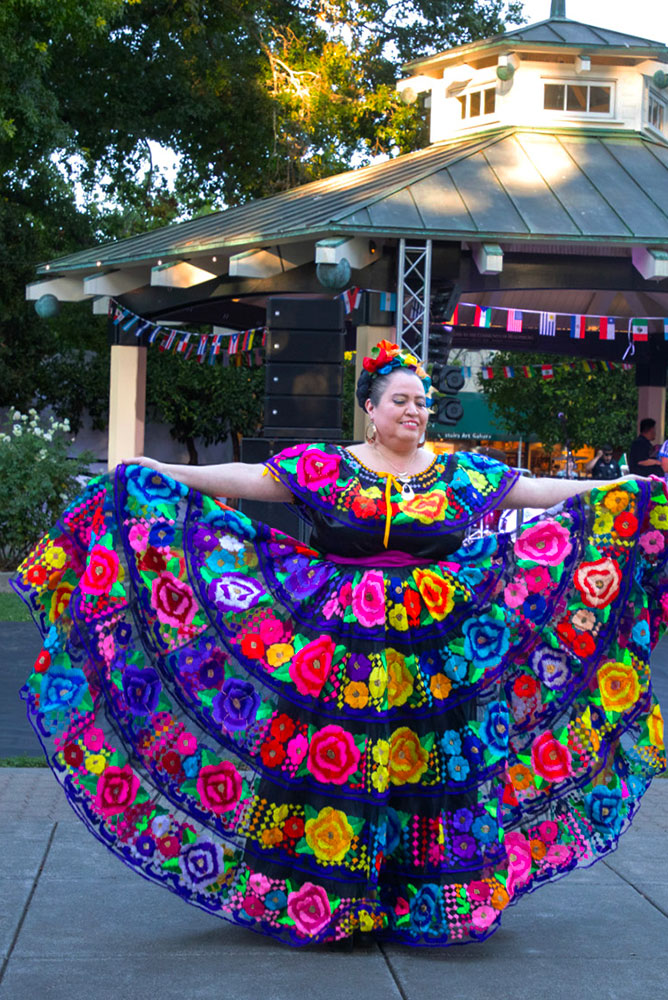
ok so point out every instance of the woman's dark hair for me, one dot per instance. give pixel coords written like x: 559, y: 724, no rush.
x: 370, y: 386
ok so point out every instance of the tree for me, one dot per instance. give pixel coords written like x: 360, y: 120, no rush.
x: 598, y: 406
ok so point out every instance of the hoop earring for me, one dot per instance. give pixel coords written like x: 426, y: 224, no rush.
x: 370, y: 433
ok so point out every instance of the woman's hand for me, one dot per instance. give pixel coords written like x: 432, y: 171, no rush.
x: 150, y: 463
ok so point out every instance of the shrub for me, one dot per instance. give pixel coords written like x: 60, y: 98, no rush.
x: 37, y: 480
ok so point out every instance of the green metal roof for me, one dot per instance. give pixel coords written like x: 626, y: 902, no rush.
x: 566, y: 185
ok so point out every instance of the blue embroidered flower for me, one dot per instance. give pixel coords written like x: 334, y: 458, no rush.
x: 470, y: 576
x: 123, y: 633
x: 145, y: 845
x: 142, y: 689
x: 604, y: 808
x: 464, y: 845
x: 275, y: 899
x: 62, y: 689
x: 458, y: 768
x: 151, y: 487
x: 640, y: 634
x: 211, y: 672
x: 236, y: 706
x: 191, y: 765
x: 486, y: 640
x: 476, y: 551
x: 451, y: 742
x: 189, y: 660
x: 456, y: 667
x: 306, y: 580
x: 551, y: 666
x: 462, y: 819
x: 201, y: 863
x: 359, y: 667
x: 396, y: 590
x: 474, y: 750
x: 425, y: 909
x: 534, y: 607
x: 235, y: 592
x: 233, y: 521
x: 220, y: 561
x: 495, y: 727
x: 431, y: 663
x: 161, y: 534
x: 485, y: 829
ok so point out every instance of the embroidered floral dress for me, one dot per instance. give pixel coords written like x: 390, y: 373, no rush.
x: 383, y: 730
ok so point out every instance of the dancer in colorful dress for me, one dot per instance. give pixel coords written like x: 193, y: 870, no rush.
x: 384, y: 731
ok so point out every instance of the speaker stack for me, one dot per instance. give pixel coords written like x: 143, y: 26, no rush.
x: 303, y: 389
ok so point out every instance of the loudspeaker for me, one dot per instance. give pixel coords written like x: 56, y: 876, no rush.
x: 308, y: 412
x: 303, y: 380
x: 276, y: 515
x: 305, y: 314
x: 303, y: 346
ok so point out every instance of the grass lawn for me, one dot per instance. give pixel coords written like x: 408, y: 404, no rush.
x: 23, y: 761
x: 12, y: 609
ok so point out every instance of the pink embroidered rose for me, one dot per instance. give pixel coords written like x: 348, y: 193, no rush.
x: 652, y: 542
x: 558, y: 855
x: 309, y: 668
x: 173, y: 600
x: 478, y: 891
x: 483, y: 917
x: 117, y: 789
x: 518, y: 852
x: 101, y: 571
x: 297, y: 748
x: 548, y: 831
x: 515, y: 593
x: 346, y: 594
x: 316, y: 469
x: 333, y: 755
x: 546, y: 542
x: 219, y: 786
x: 271, y: 630
x: 309, y: 908
x: 259, y: 883
x: 368, y: 599
x: 138, y: 537
x: 550, y: 759
x: 599, y: 582
x: 94, y: 739
x: 186, y: 743
x: 537, y: 579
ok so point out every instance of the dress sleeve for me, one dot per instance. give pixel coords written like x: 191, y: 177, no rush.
x: 314, y: 473
x: 479, y: 483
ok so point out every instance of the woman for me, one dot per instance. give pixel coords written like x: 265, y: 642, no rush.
x: 385, y: 731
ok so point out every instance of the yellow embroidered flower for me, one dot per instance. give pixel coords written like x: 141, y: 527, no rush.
x: 378, y: 682
x: 619, y: 686
x: 371, y: 492
x: 603, y: 522
x: 381, y: 752
x: 95, y: 763
x: 398, y: 618
x: 356, y: 694
x: 616, y: 500
x: 380, y: 778
x: 329, y: 835
x: 367, y: 922
x: 478, y: 481
x: 400, y: 679
x: 426, y: 507
x: 279, y: 814
x: 436, y: 592
x: 658, y: 517
x: 55, y: 556
x: 59, y: 600
x: 279, y: 653
x: 408, y: 758
x: 655, y: 727
x: 440, y: 686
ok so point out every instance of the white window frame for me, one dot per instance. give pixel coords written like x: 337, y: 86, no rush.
x: 479, y: 88
x: 575, y: 82
x: 659, y: 99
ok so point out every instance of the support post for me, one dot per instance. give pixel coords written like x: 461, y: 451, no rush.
x: 414, y: 296
x: 367, y: 337
x: 127, y: 403
x: 652, y: 403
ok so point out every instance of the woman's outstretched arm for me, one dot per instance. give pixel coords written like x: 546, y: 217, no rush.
x: 544, y: 493
x: 235, y: 480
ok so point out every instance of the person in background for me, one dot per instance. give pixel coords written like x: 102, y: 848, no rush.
x: 603, y: 465
x: 570, y: 470
x: 662, y: 455
x: 642, y: 459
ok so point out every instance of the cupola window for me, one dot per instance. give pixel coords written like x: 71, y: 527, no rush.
x: 578, y: 98
x: 656, y: 112
x: 477, y: 103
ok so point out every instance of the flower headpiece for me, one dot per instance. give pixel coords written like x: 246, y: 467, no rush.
x: 386, y: 357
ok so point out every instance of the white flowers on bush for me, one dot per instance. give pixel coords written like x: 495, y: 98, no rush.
x: 32, y: 419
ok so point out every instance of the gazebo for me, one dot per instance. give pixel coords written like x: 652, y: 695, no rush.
x: 543, y: 191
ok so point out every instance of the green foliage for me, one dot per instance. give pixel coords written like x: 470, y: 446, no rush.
x: 598, y: 406
x: 349, y: 401
x: 36, y: 481
x: 206, y: 401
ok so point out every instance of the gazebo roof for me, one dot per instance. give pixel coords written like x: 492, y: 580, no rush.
x: 563, y: 185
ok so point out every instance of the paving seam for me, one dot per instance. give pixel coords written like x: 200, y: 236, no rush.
x: 636, y: 889
x: 19, y: 926
x: 390, y: 968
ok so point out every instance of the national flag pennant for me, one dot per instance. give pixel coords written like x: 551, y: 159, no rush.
x: 508, y: 371
x: 587, y: 366
x: 168, y: 342
x: 483, y: 316
x: 454, y: 319
x: 514, y: 321
x: 466, y: 371
x: 487, y: 372
x: 547, y: 326
x: 547, y: 371
x: 639, y: 329
x: 233, y: 344
x: 606, y: 330
x: 388, y: 302
x: 142, y: 327
x: 578, y: 327
x: 201, y: 347
x: 351, y: 299
x: 527, y: 371
x: 154, y: 333
x: 183, y: 343
x: 130, y: 322
x: 119, y: 315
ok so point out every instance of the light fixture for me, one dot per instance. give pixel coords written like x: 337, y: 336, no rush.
x: 159, y: 263
x: 372, y: 247
x: 214, y: 259
x: 98, y: 263
x: 47, y: 267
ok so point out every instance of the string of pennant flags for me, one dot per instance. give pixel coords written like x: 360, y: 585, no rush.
x: 546, y: 371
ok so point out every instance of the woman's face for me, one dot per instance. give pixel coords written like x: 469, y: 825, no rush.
x: 401, y: 414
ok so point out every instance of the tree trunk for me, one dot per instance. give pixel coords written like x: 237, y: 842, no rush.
x: 193, y: 457
x: 236, y: 446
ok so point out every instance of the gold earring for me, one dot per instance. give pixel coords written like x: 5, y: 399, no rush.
x: 370, y: 433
